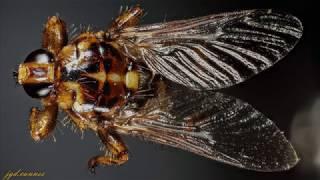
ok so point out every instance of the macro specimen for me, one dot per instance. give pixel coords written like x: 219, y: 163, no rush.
x: 159, y: 81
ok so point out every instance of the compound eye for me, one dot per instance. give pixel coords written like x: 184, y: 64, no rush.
x: 40, y: 56
x: 38, y: 90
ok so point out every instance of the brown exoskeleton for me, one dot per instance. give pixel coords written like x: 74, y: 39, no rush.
x: 152, y: 81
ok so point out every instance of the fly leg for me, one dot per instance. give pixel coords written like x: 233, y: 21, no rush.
x: 42, y: 122
x: 127, y: 18
x: 116, y: 151
x: 69, y: 95
x: 54, y: 35
x: 80, y: 121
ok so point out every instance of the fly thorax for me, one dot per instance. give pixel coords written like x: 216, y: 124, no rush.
x: 104, y: 77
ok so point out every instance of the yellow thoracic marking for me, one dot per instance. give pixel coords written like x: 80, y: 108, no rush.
x: 87, y: 42
x: 100, y: 76
x: 84, y: 45
x: 132, y: 80
x: 65, y: 97
x: 114, y: 77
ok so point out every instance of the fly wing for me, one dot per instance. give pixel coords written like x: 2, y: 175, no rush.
x: 215, y: 51
x: 212, y: 125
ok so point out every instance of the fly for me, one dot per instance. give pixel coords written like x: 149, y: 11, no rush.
x: 158, y: 82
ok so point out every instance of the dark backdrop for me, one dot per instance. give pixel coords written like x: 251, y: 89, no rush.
x: 288, y: 93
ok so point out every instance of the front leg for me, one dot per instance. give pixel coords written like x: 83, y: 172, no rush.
x: 42, y: 122
x: 54, y: 35
x: 116, y: 151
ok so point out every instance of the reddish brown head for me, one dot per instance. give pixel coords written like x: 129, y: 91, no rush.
x: 36, y: 73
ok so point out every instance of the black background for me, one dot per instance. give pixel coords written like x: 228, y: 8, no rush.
x: 288, y: 93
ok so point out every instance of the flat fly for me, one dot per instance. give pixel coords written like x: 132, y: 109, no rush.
x: 159, y: 81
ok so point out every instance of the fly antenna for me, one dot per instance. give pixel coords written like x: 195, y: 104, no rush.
x: 15, y: 76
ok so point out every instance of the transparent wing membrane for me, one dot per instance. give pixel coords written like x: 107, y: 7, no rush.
x: 215, y: 51
x: 213, y: 125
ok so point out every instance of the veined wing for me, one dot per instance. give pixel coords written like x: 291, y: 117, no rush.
x: 215, y: 51
x: 212, y: 125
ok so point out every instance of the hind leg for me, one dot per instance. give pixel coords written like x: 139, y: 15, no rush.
x: 116, y: 151
x: 127, y: 18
